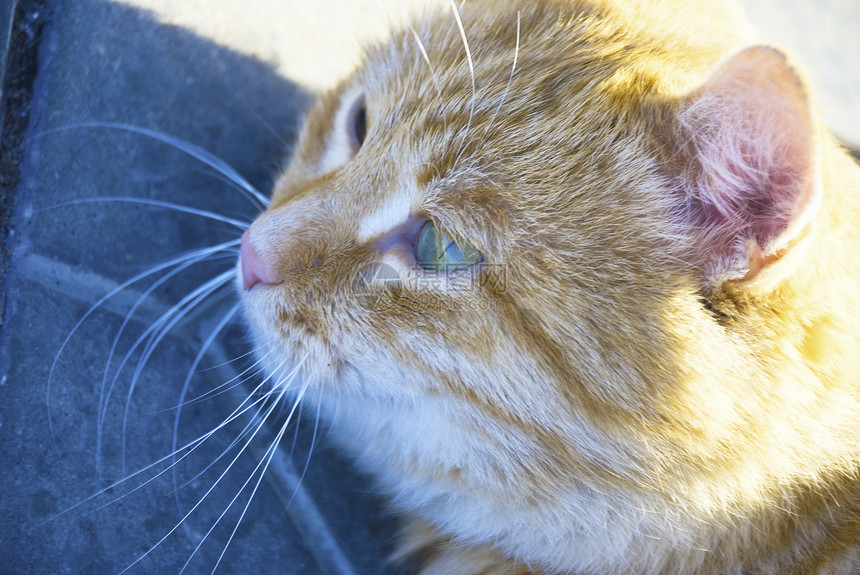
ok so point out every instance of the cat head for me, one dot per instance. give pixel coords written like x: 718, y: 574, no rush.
x: 527, y: 223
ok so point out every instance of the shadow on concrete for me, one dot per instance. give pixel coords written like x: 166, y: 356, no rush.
x: 65, y: 446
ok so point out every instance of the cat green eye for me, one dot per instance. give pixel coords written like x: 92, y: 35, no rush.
x: 436, y: 250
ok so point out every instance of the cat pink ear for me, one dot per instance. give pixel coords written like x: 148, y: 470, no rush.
x: 754, y: 181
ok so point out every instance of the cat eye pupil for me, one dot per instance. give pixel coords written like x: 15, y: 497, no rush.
x: 358, y: 124
x: 437, y: 250
x: 361, y: 124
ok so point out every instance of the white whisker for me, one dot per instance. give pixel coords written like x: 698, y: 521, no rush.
x: 249, y: 353
x: 238, y: 379
x: 228, y: 317
x: 199, y: 256
x: 471, y: 74
x: 296, y: 433
x: 510, y: 79
x: 189, y: 448
x: 273, y: 390
x: 242, y: 434
x: 278, y: 136
x: 433, y: 75
x: 205, y: 495
x: 153, y: 270
x: 170, y: 318
x: 267, y: 458
x: 241, y: 224
x: 191, y: 370
x: 310, y: 453
x: 423, y: 51
x: 185, y: 146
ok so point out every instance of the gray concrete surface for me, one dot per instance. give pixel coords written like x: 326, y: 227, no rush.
x: 822, y: 36
x: 232, y: 77
x: 7, y: 12
x: 106, y: 61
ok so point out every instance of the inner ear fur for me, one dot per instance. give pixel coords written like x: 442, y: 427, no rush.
x: 752, y: 178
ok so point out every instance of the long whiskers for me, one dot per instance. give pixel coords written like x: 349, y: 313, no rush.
x: 283, y: 387
x: 265, y: 461
x: 187, y: 449
x: 252, y: 424
x: 314, y: 436
x: 241, y: 224
x: 204, y: 156
x: 190, y: 260
x: 254, y: 421
x: 158, y: 331
x: 131, y: 361
x: 118, y: 289
x: 246, y: 374
x: 228, y: 317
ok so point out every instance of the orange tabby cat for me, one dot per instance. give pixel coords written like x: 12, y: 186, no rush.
x: 578, y: 281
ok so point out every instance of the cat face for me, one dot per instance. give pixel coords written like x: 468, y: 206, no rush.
x: 519, y: 273
x: 523, y: 158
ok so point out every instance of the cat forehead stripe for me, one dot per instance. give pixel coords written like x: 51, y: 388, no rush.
x: 394, y: 211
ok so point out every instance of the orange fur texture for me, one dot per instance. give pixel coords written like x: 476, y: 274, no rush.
x: 654, y: 368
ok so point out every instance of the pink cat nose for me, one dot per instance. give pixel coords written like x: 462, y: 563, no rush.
x: 254, y: 269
